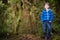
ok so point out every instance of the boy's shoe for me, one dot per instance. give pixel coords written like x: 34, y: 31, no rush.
x: 49, y: 38
x: 46, y: 38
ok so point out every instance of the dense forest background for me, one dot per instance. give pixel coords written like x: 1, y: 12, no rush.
x: 19, y: 19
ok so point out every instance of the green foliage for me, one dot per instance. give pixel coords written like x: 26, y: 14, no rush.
x: 15, y: 1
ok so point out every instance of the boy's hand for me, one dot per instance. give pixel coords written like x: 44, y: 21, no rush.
x: 50, y: 21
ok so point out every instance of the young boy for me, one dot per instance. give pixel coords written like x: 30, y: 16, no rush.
x: 47, y: 18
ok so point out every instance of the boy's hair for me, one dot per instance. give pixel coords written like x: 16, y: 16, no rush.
x: 46, y: 3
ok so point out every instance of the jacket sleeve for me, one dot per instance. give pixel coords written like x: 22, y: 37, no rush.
x: 52, y: 16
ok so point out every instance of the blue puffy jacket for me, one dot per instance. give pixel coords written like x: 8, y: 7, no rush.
x: 48, y: 17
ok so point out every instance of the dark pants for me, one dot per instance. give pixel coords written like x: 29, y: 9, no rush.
x: 47, y: 29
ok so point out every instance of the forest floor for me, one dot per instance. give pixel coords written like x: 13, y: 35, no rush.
x: 23, y: 37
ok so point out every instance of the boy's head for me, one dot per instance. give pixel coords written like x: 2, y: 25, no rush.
x: 46, y: 5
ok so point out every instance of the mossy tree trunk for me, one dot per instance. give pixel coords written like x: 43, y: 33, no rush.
x: 28, y: 17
